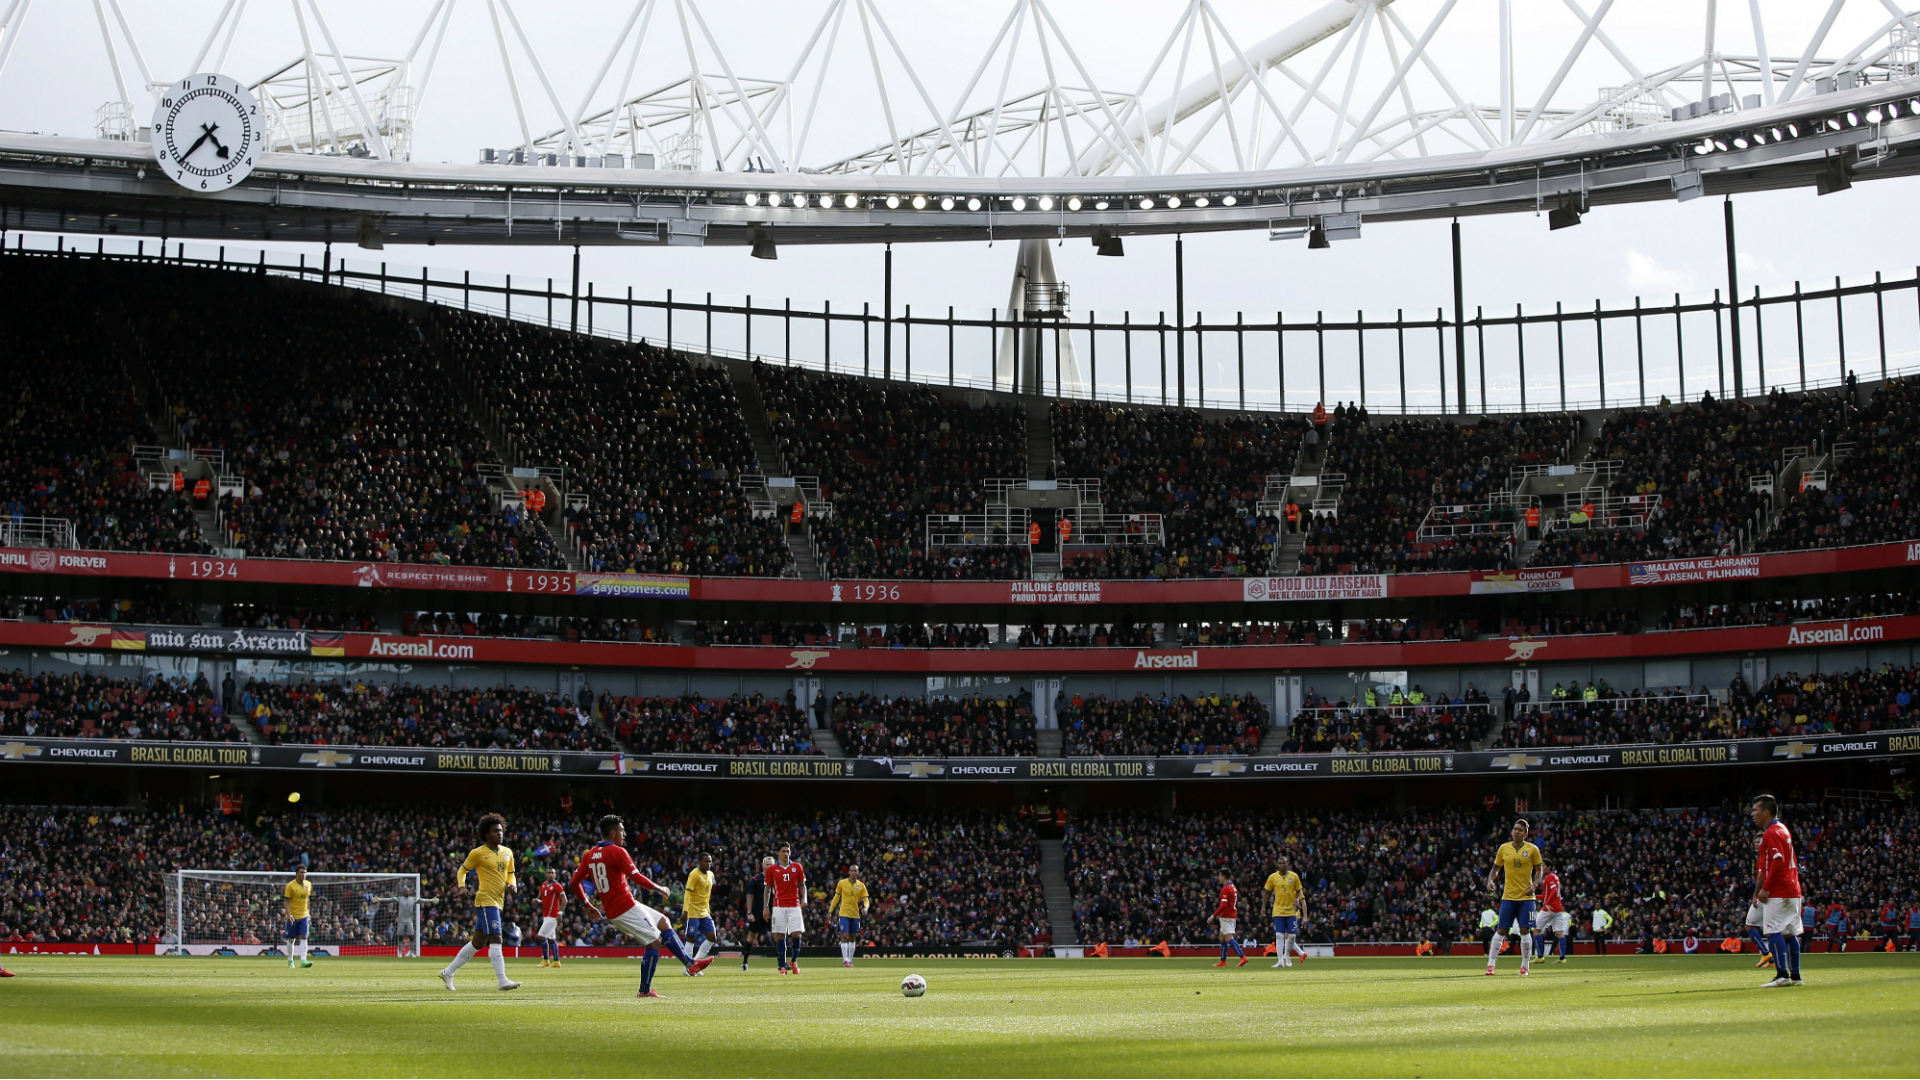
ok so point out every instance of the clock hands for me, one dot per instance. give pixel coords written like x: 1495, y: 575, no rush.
x: 206, y: 135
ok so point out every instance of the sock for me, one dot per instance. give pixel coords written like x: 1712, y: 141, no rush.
x: 1563, y: 946
x: 460, y: 958
x: 554, y: 944
x: 1223, y: 952
x: 853, y: 947
x: 303, y: 950
x: 1237, y: 950
x: 499, y: 960
x: 706, y: 946
x: 1782, y: 959
x: 1793, y: 956
x: 1526, y: 948
x: 648, y: 963
x: 671, y: 942
x: 1286, y: 949
x: 780, y: 947
x: 1759, y: 941
x: 1493, y: 949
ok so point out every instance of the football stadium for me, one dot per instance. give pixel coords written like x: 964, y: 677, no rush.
x: 1178, y: 537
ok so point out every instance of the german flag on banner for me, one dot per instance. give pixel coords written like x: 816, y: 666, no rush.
x: 128, y: 639
x: 328, y: 644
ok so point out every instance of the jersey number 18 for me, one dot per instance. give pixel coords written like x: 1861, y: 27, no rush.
x: 599, y: 878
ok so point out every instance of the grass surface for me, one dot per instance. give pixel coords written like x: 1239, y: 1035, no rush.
x: 1602, y: 1016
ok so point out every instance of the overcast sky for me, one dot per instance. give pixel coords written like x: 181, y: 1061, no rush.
x: 58, y: 76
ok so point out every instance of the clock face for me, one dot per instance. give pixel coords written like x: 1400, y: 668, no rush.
x: 206, y: 132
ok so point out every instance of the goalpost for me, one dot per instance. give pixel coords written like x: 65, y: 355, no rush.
x: 245, y: 912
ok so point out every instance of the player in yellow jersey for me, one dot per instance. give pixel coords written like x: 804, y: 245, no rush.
x: 1524, y: 868
x: 492, y: 866
x: 697, y: 906
x: 849, y: 905
x: 1289, y: 907
x: 298, y: 892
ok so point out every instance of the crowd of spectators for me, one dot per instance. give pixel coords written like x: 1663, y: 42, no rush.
x: 275, y: 617
x: 656, y: 443
x: 1398, y: 470
x: 149, y: 606
x: 1205, y: 475
x: 73, y: 415
x: 1146, y: 726
x: 1782, y: 612
x: 887, y: 456
x: 1124, y: 635
x: 976, y: 725
x: 1608, y: 716
x: 1698, y: 460
x: 349, y: 438
x: 403, y: 714
x: 80, y: 874
x: 82, y: 705
x: 1412, y: 629
x: 1387, y: 720
x: 1870, y: 494
x: 1143, y: 878
x: 1419, y: 876
x: 741, y: 724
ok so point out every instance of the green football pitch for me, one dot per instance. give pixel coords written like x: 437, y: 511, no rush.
x: 1857, y: 1015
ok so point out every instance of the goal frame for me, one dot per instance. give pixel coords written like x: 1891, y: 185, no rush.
x: 178, y: 879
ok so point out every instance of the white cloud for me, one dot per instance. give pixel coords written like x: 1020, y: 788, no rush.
x: 1648, y: 276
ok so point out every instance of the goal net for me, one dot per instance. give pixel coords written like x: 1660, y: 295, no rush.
x: 245, y: 912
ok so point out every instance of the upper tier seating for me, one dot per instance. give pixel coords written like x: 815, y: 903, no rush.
x: 656, y: 444
x: 887, y: 456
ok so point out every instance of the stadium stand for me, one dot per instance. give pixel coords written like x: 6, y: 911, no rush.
x: 886, y: 457
x: 1869, y: 495
x: 654, y: 442
x: 402, y: 714
x: 691, y: 725
x: 1397, y: 470
x: 1432, y: 723
x: 976, y: 725
x: 1699, y: 460
x: 1205, y: 475
x: 88, y: 874
x: 1148, y: 726
x: 74, y: 418
x: 1139, y: 879
x: 346, y: 434
x: 88, y: 706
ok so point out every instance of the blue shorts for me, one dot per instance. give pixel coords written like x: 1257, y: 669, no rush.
x: 1516, y: 912
x: 702, y: 926
x: 297, y: 928
x: 849, y: 925
x: 486, y: 920
x: 1286, y: 924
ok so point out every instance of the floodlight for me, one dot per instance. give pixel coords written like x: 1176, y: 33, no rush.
x: 919, y: 202
x: 1228, y: 201
x: 1046, y: 202
x: 751, y: 199
x: 1073, y: 202
x: 1146, y: 204
x: 1201, y: 202
x: 893, y: 202
x: 973, y: 204
x: 1173, y: 202
x: 946, y: 203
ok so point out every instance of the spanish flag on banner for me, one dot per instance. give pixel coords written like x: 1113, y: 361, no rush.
x: 128, y: 639
x: 328, y: 644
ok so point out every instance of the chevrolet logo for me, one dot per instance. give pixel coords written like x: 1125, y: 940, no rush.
x: 1515, y: 761
x: 1794, y: 751
x: 806, y: 658
x: 326, y: 758
x: 919, y: 770
x: 1219, y: 768
x: 15, y: 751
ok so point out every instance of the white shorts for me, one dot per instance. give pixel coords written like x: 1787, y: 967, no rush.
x: 1754, y: 917
x: 786, y: 920
x: 639, y: 922
x: 1557, y: 921
x: 550, y: 928
x: 1227, y: 926
x: 1782, y: 916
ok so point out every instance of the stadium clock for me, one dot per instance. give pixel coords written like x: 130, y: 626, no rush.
x: 206, y: 132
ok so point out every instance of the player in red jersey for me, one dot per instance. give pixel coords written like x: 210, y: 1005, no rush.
x: 1227, y: 914
x: 786, y: 887
x: 1553, y: 919
x: 553, y: 901
x: 612, y: 870
x: 1778, y: 891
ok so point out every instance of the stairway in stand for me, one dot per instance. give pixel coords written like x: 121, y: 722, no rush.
x: 828, y: 742
x: 1051, y: 743
x: 1040, y: 457
x: 1053, y: 880
x: 753, y: 408
x: 1272, y: 741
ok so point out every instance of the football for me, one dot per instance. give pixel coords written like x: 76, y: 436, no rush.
x: 913, y: 986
